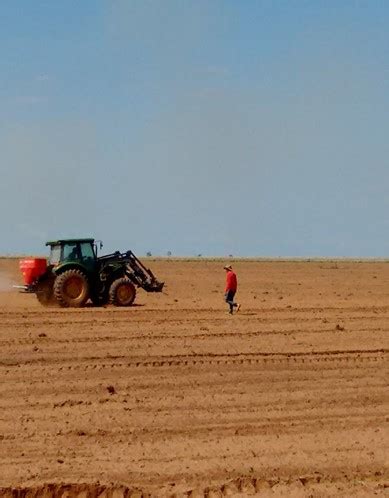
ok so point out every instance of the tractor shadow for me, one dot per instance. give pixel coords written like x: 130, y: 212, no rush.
x: 111, y: 306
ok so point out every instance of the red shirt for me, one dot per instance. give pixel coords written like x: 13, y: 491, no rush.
x: 232, y: 282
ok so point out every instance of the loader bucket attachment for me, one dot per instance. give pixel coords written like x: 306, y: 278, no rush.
x: 154, y: 286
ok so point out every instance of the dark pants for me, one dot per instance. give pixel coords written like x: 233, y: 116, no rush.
x: 229, y: 296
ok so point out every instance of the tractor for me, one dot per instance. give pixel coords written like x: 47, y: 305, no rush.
x: 74, y: 274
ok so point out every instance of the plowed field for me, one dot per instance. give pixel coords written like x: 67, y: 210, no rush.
x: 174, y: 396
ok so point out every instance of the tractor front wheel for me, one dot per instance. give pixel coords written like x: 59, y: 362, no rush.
x: 71, y: 289
x: 122, y: 292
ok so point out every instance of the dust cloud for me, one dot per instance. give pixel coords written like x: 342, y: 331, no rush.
x: 6, y: 282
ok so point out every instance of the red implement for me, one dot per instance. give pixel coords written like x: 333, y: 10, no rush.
x: 32, y: 269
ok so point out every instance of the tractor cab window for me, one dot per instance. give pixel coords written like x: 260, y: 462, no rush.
x: 70, y: 252
x: 87, y: 252
x: 55, y: 255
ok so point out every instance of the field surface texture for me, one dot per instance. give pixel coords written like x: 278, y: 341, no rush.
x: 175, y: 397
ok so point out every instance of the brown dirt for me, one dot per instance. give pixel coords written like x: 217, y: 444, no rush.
x: 174, y: 397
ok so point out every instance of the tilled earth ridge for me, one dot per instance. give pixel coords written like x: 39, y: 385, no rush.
x: 175, y: 397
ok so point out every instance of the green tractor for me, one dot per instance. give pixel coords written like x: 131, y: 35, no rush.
x: 75, y: 274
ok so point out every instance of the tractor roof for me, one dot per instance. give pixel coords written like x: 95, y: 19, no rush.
x: 68, y: 241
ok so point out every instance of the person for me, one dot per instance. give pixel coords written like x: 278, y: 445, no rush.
x: 231, y: 288
x: 73, y: 254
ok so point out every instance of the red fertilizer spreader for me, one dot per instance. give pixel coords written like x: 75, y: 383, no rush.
x: 32, y: 269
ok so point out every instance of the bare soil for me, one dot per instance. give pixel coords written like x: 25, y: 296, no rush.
x: 174, y: 397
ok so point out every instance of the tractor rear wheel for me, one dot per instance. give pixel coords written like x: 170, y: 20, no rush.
x: 71, y: 289
x: 45, y: 293
x: 122, y: 292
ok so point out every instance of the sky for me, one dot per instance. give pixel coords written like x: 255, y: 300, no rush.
x: 213, y: 127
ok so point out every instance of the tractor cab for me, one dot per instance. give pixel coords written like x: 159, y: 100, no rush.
x: 73, y: 251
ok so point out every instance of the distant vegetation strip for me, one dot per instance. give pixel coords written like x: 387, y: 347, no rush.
x: 233, y: 259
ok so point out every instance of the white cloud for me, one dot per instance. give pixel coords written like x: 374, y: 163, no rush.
x: 42, y: 77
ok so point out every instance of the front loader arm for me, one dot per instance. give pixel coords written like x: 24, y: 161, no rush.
x: 142, y: 276
x: 134, y: 269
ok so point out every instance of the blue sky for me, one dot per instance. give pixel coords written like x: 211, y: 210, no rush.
x: 253, y: 128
